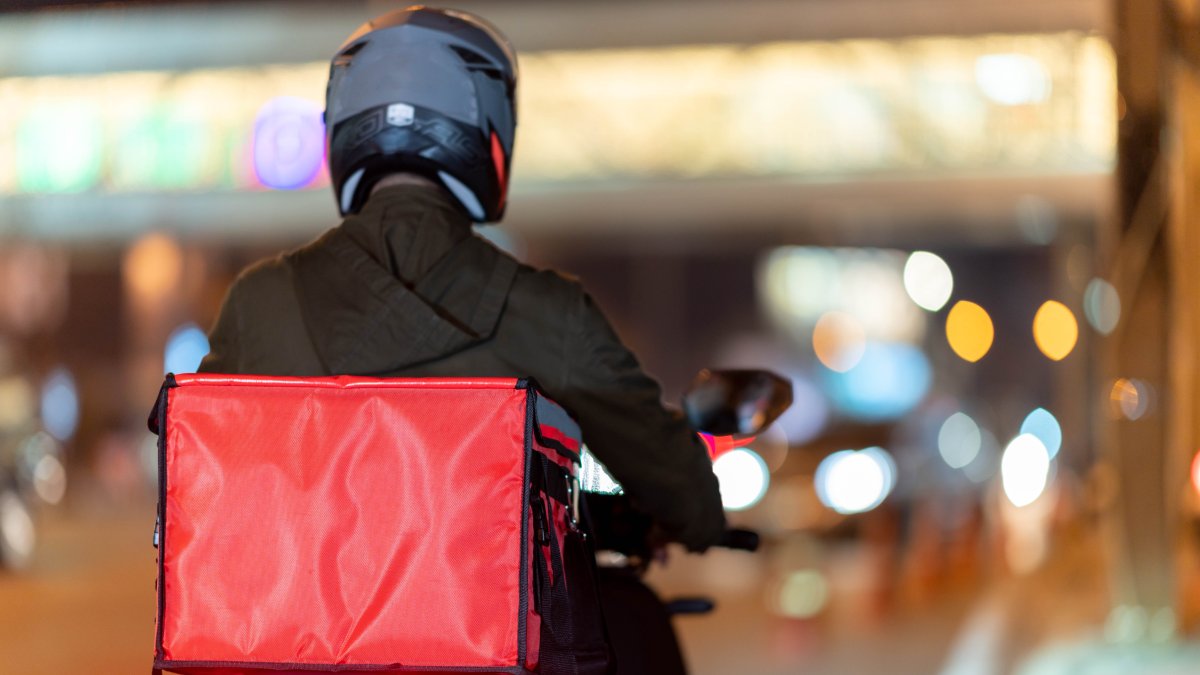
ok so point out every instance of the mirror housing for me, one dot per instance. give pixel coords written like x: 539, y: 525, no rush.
x: 736, y: 402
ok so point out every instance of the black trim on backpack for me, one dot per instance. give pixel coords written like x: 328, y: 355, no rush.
x: 159, y: 417
x: 557, y: 447
x: 340, y: 668
x: 532, y: 385
x: 523, y: 576
x: 551, y: 478
x: 573, y: 637
x: 152, y: 420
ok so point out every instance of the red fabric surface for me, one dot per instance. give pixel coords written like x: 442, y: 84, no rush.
x: 345, y: 382
x: 340, y: 521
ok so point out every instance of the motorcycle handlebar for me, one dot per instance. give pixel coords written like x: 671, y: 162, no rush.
x: 743, y: 540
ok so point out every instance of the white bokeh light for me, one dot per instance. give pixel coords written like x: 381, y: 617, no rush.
x: 743, y: 477
x: 1024, y: 469
x: 886, y: 464
x: 1012, y: 79
x: 17, y: 532
x: 1102, y: 306
x: 928, y: 280
x: 849, y: 481
x: 50, y: 479
x: 959, y: 440
x: 801, y: 594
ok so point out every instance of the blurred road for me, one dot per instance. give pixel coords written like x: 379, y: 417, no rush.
x: 850, y: 637
x: 87, y: 604
x: 87, y: 607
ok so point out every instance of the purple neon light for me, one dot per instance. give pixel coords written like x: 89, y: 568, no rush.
x: 289, y: 143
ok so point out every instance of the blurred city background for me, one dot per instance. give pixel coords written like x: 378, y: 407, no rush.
x: 966, y: 230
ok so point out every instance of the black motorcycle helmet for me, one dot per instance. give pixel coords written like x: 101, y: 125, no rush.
x: 425, y: 91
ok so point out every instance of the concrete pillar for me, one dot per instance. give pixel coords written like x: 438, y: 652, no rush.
x: 1153, y: 264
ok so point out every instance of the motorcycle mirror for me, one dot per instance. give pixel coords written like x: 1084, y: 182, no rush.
x: 728, y: 402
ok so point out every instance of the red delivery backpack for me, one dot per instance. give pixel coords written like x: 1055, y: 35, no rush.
x: 365, y: 525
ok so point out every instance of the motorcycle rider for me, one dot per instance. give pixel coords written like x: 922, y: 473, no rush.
x: 420, y: 122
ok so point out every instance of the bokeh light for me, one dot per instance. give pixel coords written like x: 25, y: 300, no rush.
x: 772, y: 445
x: 1012, y: 79
x: 838, y: 341
x: 808, y: 415
x: 41, y: 468
x: 17, y: 532
x: 800, y: 595
x: 1101, y: 306
x: 185, y: 349
x: 153, y: 267
x: 959, y: 440
x: 797, y: 283
x: 850, y: 481
x: 50, y: 479
x: 1196, y: 473
x: 871, y: 288
x: 743, y: 477
x: 33, y: 287
x: 969, y: 330
x: 928, y: 280
x: 59, y: 147
x: 1055, y: 330
x: 1129, y: 398
x: 800, y: 284
x: 889, y: 380
x: 983, y: 467
x: 1024, y: 469
x: 888, y: 465
x: 18, y: 403
x: 60, y: 404
x: 1045, y: 426
x: 289, y: 142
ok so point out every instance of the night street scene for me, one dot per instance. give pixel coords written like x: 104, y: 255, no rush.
x: 769, y: 337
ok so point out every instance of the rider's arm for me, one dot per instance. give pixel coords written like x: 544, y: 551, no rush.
x: 662, y: 464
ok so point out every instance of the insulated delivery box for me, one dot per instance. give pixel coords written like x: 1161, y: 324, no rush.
x: 366, y: 525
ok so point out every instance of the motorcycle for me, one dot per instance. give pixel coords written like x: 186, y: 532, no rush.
x: 638, y: 622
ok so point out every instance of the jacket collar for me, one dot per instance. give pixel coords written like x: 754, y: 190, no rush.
x: 402, y: 282
x: 408, y: 228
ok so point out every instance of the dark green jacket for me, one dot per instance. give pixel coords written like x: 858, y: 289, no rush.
x: 405, y: 288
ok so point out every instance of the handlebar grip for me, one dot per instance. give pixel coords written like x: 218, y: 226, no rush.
x: 745, y: 540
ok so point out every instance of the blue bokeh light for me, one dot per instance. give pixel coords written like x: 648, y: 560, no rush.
x: 1042, y: 423
x: 809, y: 413
x: 889, y: 380
x: 60, y: 404
x: 186, y: 348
